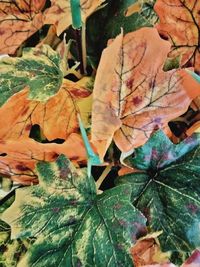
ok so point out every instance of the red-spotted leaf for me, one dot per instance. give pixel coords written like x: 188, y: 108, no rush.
x: 73, y: 225
x: 57, y: 117
x: 166, y: 189
x: 18, y: 158
x: 132, y: 95
x: 180, y: 23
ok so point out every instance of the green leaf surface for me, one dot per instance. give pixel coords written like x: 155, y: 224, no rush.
x: 166, y: 189
x: 38, y: 68
x: 73, y: 225
x: 110, y: 20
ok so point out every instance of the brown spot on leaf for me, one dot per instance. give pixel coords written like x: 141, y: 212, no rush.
x: 21, y: 167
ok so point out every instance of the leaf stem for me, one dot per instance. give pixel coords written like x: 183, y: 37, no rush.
x: 103, y: 176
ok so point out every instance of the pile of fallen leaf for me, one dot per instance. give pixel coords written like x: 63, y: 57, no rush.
x: 100, y: 133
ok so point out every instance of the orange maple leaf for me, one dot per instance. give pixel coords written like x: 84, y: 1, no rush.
x: 180, y: 23
x: 132, y: 95
x: 20, y: 19
x: 19, y: 157
x: 57, y: 117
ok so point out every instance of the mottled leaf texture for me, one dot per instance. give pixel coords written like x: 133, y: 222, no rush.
x: 132, y: 95
x: 73, y: 225
x: 19, y: 19
x: 38, y: 68
x: 18, y: 158
x: 11, y: 250
x: 57, y: 117
x: 60, y: 12
x: 167, y: 189
x: 180, y: 23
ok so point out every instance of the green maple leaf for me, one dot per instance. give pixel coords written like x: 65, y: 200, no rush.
x: 166, y: 189
x: 38, y: 68
x: 73, y: 225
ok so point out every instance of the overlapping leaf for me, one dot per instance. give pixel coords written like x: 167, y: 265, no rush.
x: 132, y: 95
x: 74, y: 226
x: 109, y: 21
x: 57, y: 117
x: 18, y: 158
x: 38, y: 68
x: 20, y: 19
x: 180, y: 23
x: 167, y: 189
x: 59, y: 13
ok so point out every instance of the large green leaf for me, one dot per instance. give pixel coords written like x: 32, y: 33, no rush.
x: 73, y: 225
x: 166, y: 189
x: 111, y: 19
x: 38, y: 68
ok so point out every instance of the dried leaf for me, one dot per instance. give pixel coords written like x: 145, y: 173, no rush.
x: 180, y: 23
x: 147, y: 251
x: 18, y: 158
x: 18, y: 21
x: 59, y: 13
x: 57, y: 117
x: 132, y: 95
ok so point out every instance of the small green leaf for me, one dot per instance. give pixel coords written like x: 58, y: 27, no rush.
x: 166, y: 189
x: 73, y: 225
x: 38, y: 68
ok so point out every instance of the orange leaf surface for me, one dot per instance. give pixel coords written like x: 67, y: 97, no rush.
x: 59, y: 13
x: 18, y: 21
x: 180, y: 23
x: 132, y: 95
x: 18, y: 158
x: 57, y: 117
x: 146, y: 252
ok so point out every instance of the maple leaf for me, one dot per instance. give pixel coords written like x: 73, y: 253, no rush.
x: 167, y: 186
x: 132, y: 96
x: 57, y: 117
x: 109, y: 20
x: 18, y: 21
x: 71, y: 222
x: 38, y: 68
x: 18, y: 158
x: 59, y: 13
x: 180, y: 23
